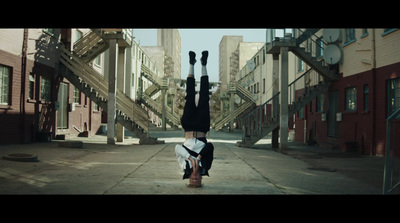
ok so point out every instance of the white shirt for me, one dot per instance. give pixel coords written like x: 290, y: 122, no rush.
x: 182, y: 154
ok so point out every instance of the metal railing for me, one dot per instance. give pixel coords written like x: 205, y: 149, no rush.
x: 97, y: 81
x: 314, y: 45
x: 391, y: 174
x: 302, y: 90
x: 261, y: 116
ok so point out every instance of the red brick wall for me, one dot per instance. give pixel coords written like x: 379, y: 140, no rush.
x: 17, y: 127
x: 84, y: 118
x: 384, y: 74
x: 10, y: 114
x: 357, y: 126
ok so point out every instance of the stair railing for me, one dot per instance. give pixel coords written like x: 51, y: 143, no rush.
x: 259, y: 117
x: 299, y: 90
x: 95, y: 80
x: 391, y: 171
x: 311, y: 45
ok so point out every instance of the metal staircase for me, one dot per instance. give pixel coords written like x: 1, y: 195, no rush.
x: 261, y: 122
x: 90, y: 45
x: 74, y: 66
x: 249, y: 104
x: 172, y: 118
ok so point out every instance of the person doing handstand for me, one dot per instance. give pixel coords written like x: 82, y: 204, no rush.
x: 195, y: 155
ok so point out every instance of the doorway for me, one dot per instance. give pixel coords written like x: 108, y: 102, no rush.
x: 333, y: 125
x: 62, y: 113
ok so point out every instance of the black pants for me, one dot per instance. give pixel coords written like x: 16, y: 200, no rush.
x: 196, y: 118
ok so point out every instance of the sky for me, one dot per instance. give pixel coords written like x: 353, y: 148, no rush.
x: 197, y: 40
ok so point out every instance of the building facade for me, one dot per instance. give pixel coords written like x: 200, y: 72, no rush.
x: 37, y: 103
x: 227, y: 45
x: 365, y: 95
x: 171, y: 41
x: 350, y: 114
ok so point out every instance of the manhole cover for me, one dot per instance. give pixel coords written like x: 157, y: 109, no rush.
x: 322, y: 169
x: 22, y: 157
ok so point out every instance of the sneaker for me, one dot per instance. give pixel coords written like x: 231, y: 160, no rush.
x: 192, y: 57
x: 204, y: 57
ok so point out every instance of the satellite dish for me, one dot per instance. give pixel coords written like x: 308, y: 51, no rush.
x: 251, y: 65
x: 332, y: 54
x: 331, y: 35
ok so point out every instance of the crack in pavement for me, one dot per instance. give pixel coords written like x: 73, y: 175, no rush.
x: 266, y: 178
x: 137, y: 168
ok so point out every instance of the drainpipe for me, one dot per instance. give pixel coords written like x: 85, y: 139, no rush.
x: 23, y: 85
x: 373, y: 48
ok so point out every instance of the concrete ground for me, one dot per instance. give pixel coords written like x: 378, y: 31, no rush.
x: 130, y: 168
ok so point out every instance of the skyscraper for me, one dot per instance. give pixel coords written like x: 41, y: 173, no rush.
x: 171, y: 41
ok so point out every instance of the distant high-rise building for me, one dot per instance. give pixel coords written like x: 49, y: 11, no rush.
x: 227, y: 45
x: 171, y: 41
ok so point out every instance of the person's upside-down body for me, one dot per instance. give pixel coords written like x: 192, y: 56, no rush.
x: 195, y: 156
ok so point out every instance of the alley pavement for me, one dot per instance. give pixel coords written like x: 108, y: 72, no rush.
x: 129, y: 168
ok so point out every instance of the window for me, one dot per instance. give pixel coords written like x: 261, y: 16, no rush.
x: 309, y: 45
x: 301, y: 113
x: 263, y: 56
x: 300, y: 65
x: 320, y: 103
x: 263, y: 85
x: 388, y: 30
x: 366, y: 92
x: 31, y: 86
x: 77, y: 95
x: 364, y: 33
x: 78, y: 35
x: 49, y: 31
x: 350, y: 36
x: 45, y: 87
x: 95, y: 106
x: 5, y: 76
x: 97, y: 60
x: 393, y: 95
x: 351, y: 99
x: 320, y: 48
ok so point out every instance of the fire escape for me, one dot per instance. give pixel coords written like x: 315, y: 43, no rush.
x: 74, y: 66
x: 261, y: 121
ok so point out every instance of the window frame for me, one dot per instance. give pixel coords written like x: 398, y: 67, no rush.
x: 6, y: 87
x: 351, y: 99
x: 393, y: 95
x: 45, y: 91
x: 350, y: 36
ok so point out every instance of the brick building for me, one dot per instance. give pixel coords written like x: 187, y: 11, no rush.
x: 35, y: 102
x: 352, y: 113
x: 342, y: 105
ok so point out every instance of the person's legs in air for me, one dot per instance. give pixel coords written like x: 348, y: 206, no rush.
x: 203, y: 108
x: 188, y: 119
x: 203, y: 111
